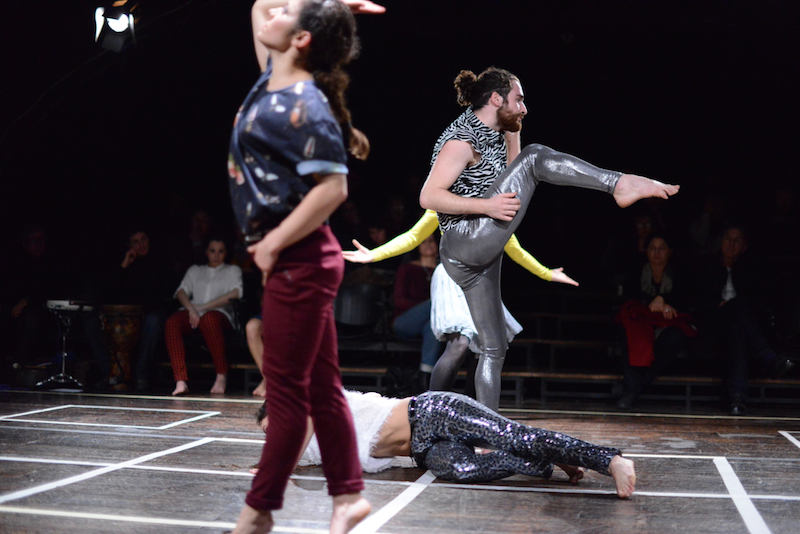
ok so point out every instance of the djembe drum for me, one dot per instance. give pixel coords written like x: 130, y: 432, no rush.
x: 123, y: 325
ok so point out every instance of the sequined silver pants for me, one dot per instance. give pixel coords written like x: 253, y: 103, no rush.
x: 471, y: 252
x: 445, y: 427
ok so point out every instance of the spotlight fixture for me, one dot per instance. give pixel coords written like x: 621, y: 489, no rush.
x: 114, y: 25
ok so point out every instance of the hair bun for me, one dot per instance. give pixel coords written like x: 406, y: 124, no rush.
x: 464, y: 84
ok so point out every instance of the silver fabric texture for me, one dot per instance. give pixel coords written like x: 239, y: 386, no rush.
x: 471, y: 251
x: 445, y: 427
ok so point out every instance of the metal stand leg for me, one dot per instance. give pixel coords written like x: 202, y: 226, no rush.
x: 62, y: 381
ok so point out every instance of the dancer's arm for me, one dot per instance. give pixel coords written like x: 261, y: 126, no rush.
x: 454, y: 157
x: 513, y: 145
x: 525, y: 259
x: 259, y: 14
x: 401, y: 244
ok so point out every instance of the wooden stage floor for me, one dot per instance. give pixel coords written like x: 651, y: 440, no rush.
x: 78, y: 463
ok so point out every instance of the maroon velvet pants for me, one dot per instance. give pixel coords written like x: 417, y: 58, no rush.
x: 301, y: 366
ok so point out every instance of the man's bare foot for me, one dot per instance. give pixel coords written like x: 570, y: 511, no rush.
x: 574, y: 473
x: 219, y: 385
x: 252, y: 521
x: 624, y: 476
x: 631, y: 188
x: 181, y: 388
x: 261, y: 390
x: 348, y: 511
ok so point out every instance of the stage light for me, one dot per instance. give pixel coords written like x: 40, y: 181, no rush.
x: 114, y: 26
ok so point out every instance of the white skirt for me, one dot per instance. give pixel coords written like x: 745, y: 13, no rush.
x: 450, y: 313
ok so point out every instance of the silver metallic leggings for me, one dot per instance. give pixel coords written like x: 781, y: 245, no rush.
x: 445, y: 427
x: 472, y: 251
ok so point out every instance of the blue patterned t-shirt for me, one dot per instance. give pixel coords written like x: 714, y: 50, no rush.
x: 280, y: 140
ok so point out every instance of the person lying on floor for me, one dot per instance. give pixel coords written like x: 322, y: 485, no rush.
x: 441, y: 430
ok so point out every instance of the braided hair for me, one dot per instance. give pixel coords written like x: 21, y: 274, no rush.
x: 334, y: 43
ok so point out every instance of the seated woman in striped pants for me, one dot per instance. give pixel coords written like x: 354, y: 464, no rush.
x: 205, y: 295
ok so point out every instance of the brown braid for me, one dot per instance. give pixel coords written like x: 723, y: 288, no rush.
x: 334, y: 43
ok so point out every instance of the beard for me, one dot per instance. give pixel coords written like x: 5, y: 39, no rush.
x: 508, y: 121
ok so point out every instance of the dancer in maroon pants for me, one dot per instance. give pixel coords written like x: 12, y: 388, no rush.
x: 288, y: 169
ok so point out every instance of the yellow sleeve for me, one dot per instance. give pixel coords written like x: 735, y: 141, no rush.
x: 409, y: 240
x: 524, y: 258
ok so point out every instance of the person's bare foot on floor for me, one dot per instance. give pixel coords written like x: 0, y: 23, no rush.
x: 181, y: 388
x: 621, y: 469
x: 261, y: 390
x: 631, y: 188
x: 252, y: 521
x: 574, y: 473
x: 348, y: 511
x: 219, y: 385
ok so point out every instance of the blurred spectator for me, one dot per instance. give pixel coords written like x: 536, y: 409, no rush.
x: 627, y: 251
x: 205, y: 294
x: 780, y: 249
x: 729, y: 294
x: 191, y: 248
x: 412, y: 303
x: 34, y: 277
x: 653, y: 321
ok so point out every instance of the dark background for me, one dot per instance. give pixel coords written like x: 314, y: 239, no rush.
x: 702, y: 93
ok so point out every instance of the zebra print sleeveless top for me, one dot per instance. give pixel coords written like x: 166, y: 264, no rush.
x: 475, y: 180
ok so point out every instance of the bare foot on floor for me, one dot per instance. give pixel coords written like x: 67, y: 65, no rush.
x: 621, y: 469
x: 348, y: 511
x: 252, y: 521
x: 219, y: 385
x: 181, y: 388
x: 261, y: 390
x: 631, y: 188
x: 574, y: 473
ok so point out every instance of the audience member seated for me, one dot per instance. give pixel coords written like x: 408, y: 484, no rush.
x: 32, y: 279
x: 627, y: 251
x: 144, y: 278
x: 205, y: 295
x: 412, y: 303
x: 653, y: 320
x: 728, y: 292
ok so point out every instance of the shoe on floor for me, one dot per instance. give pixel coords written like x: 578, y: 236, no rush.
x: 626, y: 401
x: 738, y: 406
x: 781, y: 367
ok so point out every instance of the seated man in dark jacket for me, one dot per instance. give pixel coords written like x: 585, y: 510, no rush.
x: 728, y: 295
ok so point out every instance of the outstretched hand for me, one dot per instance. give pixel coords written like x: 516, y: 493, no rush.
x: 561, y: 277
x: 362, y: 255
x: 364, y: 7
